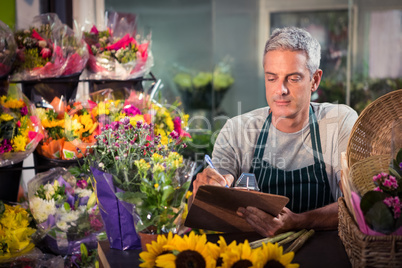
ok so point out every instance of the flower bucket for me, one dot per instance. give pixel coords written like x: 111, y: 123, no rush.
x: 119, y: 222
x: 43, y: 163
x: 48, y: 88
x: 121, y: 89
x: 10, y: 182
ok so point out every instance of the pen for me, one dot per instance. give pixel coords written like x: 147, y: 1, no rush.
x: 209, y: 162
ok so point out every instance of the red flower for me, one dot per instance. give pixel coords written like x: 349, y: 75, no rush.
x: 123, y: 42
x: 36, y: 35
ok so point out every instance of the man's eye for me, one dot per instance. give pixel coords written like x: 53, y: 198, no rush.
x: 270, y: 79
x: 294, y: 79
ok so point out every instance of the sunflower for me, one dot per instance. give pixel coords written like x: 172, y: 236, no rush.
x: 216, y: 251
x: 155, y: 249
x: 239, y: 256
x: 188, y: 251
x: 272, y: 255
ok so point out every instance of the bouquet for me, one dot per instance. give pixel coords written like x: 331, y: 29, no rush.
x: 64, y: 207
x: 121, y: 165
x: 69, y: 129
x: 15, y: 232
x: 49, y: 49
x: 380, y: 209
x: 118, y: 52
x: 20, y: 128
x: 7, y: 49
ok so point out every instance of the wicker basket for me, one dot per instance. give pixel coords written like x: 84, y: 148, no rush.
x: 366, y: 250
x: 371, y: 134
x: 362, y: 172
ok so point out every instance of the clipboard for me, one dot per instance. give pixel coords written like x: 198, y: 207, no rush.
x: 214, y: 208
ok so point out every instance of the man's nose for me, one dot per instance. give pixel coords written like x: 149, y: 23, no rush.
x: 281, y: 88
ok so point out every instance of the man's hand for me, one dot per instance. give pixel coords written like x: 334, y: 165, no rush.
x: 210, y: 176
x: 324, y: 218
x: 265, y: 224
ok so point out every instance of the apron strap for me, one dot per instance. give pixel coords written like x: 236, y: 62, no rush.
x: 314, y: 133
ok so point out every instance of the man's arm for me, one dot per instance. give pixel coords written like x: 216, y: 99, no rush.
x: 324, y: 218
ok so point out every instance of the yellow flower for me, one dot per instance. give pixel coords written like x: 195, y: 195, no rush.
x: 164, y: 137
x: 19, y: 143
x: 185, y: 120
x: 158, y: 168
x: 154, y: 250
x: 241, y: 254
x: 157, y: 158
x: 135, y: 119
x: 193, y: 250
x: 6, y: 117
x: 142, y: 165
x: 12, y: 103
x: 188, y: 194
x: 156, y: 185
x: 52, y: 123
x: 103, y: 108
x: 272, y: 255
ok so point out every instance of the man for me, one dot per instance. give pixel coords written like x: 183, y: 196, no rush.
x: 293, y: 146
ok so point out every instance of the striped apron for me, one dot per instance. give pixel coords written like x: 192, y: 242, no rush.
x: 307, y: 188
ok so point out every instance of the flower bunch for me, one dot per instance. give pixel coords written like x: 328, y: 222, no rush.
x: 382, y: 206
x: 64, y: 205
x: 194, y: 251
x: 20, y: 129
x: 68, y: 128
x: 117, y: 57
x: 7, y: 49
x: 15, y: 233
x: 49, y: 49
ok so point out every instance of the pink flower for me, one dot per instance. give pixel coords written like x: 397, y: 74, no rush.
x: 131, y: 110
x: 94, y: 30
x: 34, y: 120
x: 46, y: 53
x: 19, y: 123
x: 82, y: 184
x: 123, y: 42
x: 24, y: 111
x: 395, y: 204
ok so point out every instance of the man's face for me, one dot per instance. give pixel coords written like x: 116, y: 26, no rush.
x: 288, y: 86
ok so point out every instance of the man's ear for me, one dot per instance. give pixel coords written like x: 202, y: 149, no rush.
x: 316, y: 80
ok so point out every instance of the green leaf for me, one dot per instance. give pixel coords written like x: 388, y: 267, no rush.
x: 369, y: 199
x: 132, y: 197
x: 75, y: 171
x: 167, y: 193
x: 67, y: 207
x: 399, y: 157
x: 84, y: 251
x: 394, y: 173
x: 380, y: 218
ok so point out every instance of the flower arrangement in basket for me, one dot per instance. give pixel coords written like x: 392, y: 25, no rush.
x: 130, y: 162
x: 64, y: 207
x: 15, y: 232
x: 379, y: 210
x: 48, y: 49
x: 118, y: 52
x: 8, y: 50
x: 20, y: 128
x: 67, y: 129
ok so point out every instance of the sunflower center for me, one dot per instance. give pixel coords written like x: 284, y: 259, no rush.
x: 242, y: 264
x: 273, y: 264
x: 190, y: 259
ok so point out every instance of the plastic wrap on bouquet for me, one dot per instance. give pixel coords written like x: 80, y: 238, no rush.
x: 119, y: 52
x: 64, y: 207
x: 8, y: 50
x: 118, y: 220
x: 49, y: 49
x: 20, y: 128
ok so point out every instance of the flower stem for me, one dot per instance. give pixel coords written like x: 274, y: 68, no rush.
x: 273, y: 239
x: 298, y: 243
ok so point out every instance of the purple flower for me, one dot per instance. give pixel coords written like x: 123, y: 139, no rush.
x: 24, y: 111
x: 174, y: 135
x: 400, y: 165
x: 83, y: 201
x: 70, y: 200
x: 82, y: 184
x: 5, y: 146
x: 131, y: 110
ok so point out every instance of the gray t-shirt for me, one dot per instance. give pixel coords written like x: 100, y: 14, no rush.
x: 236, y: 142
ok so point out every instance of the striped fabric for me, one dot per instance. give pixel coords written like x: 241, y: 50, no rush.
x: 307, y: 188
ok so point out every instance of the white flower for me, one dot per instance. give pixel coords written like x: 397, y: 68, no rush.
x: 41, y: 209
x: 69, y: 217
x: 101, y: 165
x: 49, y: 191
x: 62, y: 225
x: 83, y: 192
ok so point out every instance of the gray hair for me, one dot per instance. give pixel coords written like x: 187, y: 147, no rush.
x: 296, y: 39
